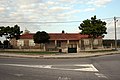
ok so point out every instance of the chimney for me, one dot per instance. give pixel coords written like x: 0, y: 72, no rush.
x: 26, y: 31
x: 63, y: 31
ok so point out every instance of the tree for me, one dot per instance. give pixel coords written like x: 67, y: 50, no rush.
x: 10, y: 32
x: 13, y: 32
x: 94, y: 28
x: 1, y: 44
x: 6, y: 44
x: 2, y: 31
x: 41, y: 37
x: 6, y: 31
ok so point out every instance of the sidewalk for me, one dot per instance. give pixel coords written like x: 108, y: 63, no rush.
x: 60, y: 56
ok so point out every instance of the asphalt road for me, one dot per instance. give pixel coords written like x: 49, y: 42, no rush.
x: 93, y: 68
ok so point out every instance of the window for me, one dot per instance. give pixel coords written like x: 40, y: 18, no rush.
x: 31, y: 43
x: 95, y: 42
x: 72, y: 46
x: 20, y: 42
x: 58, y: 44
x: 86, y: 41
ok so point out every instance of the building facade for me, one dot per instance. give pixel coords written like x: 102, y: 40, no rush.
x: 62, y: 42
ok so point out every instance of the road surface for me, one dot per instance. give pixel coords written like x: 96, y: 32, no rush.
x: 93, y: 68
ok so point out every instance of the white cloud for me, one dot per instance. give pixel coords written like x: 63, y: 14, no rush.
x: 51, y: 3
x: 67, y: 1
x: 60, y: 8
x: 69, y: 14
x: 2, y: 9
x: 46, y: 10
x: 99, y: 3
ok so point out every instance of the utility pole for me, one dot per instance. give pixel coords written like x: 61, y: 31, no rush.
x: 115, y: 33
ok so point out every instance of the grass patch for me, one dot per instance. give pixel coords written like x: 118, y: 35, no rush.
x: 29, y: 52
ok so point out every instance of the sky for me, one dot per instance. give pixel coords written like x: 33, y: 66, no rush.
x: 53, y: 16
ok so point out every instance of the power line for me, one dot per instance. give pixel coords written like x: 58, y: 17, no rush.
x: 107, y: 18
x: 44, y: 22
x: 109, y: 23
x: 40, y: 22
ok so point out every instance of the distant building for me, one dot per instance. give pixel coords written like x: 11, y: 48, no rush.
x: 62, y: 42
x: 110, y: 43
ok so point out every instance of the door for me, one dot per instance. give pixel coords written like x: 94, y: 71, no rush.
x: 72, y: 48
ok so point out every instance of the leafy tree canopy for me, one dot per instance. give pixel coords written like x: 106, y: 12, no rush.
x: 41, y: 37
x: 10, y: 32
x: 1, y: 31
x: 93, y: 27
x: 6, y: 42
x: 0, y: 43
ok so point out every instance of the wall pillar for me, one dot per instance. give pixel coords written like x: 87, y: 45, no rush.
x: 55, y: 43
x: 79, y: 45
x: 68, y: 42
x: 67, y: 45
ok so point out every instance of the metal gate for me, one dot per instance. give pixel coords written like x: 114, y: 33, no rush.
x: 72, y: 48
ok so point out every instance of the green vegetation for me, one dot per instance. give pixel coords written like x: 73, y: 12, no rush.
x: 41, y: 37
x: 10, y: 32
x: 29, y: 52
x: 94, y: 28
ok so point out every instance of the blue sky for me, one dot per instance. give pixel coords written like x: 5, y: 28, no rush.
x: 58, y: 11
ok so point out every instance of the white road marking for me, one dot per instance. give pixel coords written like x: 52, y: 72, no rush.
x: 75, y: 67
x: 80, y: 67
x: 101, y: 75
x: 90, y: 67
x: 64, y: 78
x: 19, y: 75
x: 32, y: 66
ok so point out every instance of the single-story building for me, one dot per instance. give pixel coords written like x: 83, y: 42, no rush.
x: 62, y: 42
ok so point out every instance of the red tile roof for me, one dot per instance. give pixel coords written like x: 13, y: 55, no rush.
x: 66, y: 36
x: 58, y: 36
x: 27, y: 36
